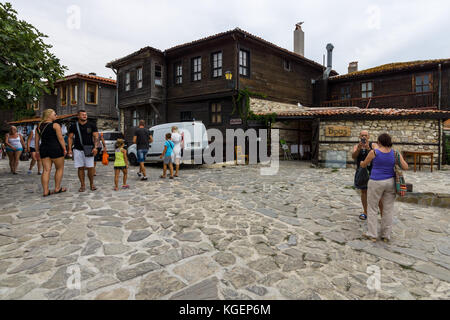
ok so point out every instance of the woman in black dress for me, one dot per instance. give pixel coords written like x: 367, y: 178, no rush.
x: 52, y: 149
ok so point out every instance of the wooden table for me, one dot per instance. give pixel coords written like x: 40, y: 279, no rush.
x: 419, y: 154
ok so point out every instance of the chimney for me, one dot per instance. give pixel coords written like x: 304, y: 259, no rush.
x: 353, y: 66
x: 326, y: 73
x: 299, y: 39
x: 92, y: 74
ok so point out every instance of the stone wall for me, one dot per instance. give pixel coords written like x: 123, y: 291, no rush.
x: 107, y: 124
x: 402, y: 131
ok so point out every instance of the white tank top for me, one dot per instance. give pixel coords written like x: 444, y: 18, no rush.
x: 33, y: 141
x: 15, y: 142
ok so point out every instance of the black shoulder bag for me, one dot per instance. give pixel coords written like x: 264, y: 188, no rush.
x: 86, y: 149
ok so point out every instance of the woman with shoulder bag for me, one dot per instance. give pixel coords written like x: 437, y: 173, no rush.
x: 381, y: 187
x: 51, y: 150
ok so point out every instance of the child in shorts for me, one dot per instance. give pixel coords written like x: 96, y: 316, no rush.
x: 167, y: 155
x: 120, y: 164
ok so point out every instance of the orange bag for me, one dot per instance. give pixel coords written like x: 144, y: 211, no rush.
x: 105, y: 157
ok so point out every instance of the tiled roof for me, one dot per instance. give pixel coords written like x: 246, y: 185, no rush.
x: 447, y: 124
x: 391, y: 67
x: 136, y: 53
x: 87, y: 77
x: 247, y: 34
x: 37, y: 119
x: 218, y: 35
x: 325, y: 112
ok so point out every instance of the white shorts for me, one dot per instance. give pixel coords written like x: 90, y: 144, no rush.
x: 177, y: 152
x: 81, y: 161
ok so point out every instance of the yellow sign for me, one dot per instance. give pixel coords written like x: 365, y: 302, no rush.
x: 337, y: 131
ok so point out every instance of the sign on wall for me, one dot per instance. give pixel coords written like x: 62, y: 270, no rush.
x: 236, y: 121
x: 337, y: 131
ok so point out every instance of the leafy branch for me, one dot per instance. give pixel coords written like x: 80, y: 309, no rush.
x: 241, y: 104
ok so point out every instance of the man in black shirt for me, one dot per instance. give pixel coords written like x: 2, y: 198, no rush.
x: 142, y: 138
x: 89, y: 139
x: 360, y: 152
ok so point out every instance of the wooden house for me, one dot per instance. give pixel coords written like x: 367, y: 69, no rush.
x: 80, y: 91
x: 188, y: 81
x: 415, y: 84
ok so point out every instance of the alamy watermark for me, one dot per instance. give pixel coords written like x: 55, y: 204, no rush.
x: 374, y: 20
x: 73, y: 21
x: 250, y: 146
x: 374, y: 281
x: 74, y: 280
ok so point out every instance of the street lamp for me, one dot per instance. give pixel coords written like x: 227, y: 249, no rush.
x: 230, y: 81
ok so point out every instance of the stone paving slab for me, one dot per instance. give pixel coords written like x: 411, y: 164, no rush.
x: 217, y: 233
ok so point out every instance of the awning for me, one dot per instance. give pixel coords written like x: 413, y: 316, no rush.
x: 38, y: 119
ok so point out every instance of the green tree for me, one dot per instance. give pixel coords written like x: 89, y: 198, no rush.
x: 27, y: 68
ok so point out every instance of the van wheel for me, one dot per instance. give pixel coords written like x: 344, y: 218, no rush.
x: 133, y: 160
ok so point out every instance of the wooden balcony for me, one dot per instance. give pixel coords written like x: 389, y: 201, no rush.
x: 398, y: 101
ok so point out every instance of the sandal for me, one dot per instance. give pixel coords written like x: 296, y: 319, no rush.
x: 369, y: 237
x: 48, y: 194
x: 125, y: 186
x: 116, y: 189
x: 82, y: 189
x: 363, y: 216
x: 61, y: 190
x: 93, y: 188
x: 162, y: 177
x: 170, y: 177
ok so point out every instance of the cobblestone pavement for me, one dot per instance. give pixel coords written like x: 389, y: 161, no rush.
x: 217, y: 233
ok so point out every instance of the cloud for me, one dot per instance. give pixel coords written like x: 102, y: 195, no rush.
x: 370, y: 32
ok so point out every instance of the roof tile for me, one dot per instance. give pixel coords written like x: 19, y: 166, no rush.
x: 390, y: 67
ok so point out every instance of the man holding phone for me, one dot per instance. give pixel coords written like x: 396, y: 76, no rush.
x: 360, y: 152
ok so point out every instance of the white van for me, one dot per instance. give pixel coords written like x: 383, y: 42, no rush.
x: 195, y: 141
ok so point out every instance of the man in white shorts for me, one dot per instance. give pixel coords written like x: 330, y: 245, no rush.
x: 89, y: 137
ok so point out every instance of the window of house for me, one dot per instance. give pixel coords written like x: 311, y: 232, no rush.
x: 134, y: 118
x: 127, y: 81
x: 73, y: 94
x: 185, y: 115
x: 216, y: 113
x: 196, y: 71
x: 139, y: 77
x: 63, y: 95
x: 178, y: 67
x: 244, y: 63
x: 366, y: 89
x: 345, y: 93
x: 287, y: 65
x: 91, y: 93
x: 158, y: 75
x: 423, y: 83
x: 216, y: 64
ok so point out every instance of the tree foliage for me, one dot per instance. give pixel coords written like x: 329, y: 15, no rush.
x: 27, y: 68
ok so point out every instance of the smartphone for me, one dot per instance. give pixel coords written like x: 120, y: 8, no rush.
x: 363, y: 140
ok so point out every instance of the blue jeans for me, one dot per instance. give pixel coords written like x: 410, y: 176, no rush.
x: 141, y: 153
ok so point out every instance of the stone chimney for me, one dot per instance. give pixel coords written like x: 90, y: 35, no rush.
x: 353, y: 66
x: 299, y: 39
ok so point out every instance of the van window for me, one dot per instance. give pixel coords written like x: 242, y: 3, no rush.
x: 112, y: 135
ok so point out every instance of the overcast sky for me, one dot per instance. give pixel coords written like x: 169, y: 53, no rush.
x: 86, y: 34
